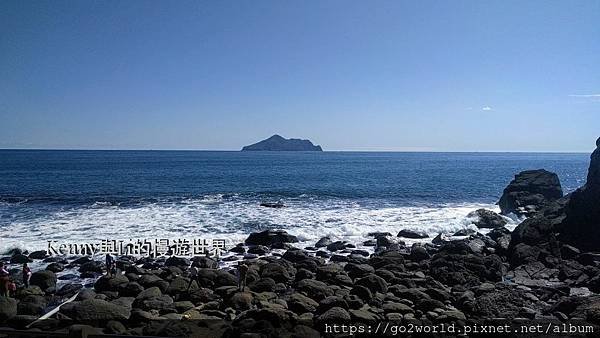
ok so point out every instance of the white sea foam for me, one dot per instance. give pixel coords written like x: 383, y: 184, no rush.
x: 233, y: 219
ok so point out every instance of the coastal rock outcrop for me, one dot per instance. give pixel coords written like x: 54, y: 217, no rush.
x: 278, y: 143
x: 581, y: 226
x: 530, y: 191
x: 573, y: 219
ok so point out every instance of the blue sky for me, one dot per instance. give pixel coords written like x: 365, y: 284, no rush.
x: 349, y: 75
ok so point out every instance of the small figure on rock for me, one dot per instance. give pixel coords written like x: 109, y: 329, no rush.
x: 242, y: 270
x: 109, y: 265
x: 3, y: 280
x: 26, y: 274
x: 193, y: 275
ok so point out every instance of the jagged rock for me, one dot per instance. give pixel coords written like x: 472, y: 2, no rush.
x: 487, y: 219
x: 529, y: 191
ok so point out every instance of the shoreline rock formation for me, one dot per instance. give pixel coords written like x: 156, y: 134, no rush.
x: 278, y: 143
x: 529, y: 192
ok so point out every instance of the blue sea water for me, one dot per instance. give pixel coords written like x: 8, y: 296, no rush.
x: 83, y: 195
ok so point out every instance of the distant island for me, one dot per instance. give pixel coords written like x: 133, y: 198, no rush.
x: 278, y: 143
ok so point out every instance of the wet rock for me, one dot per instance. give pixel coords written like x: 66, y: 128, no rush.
x: 336, y: 246
x: 260, y: 250
x: 269, y: 237
x: 412, y: 234
x: 323, y: 242
x: 45, y: 279
x: 93, y: 266
x: 55, y: 267
x: 20, y: 259
x: 418, y: 253
x: 487, y: 219
x: 40, y: 254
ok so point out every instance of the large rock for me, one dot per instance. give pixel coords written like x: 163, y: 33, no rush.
x: 581, y: 227
x: 529, y: 192
x: 95, y: 309
x: 269, y: 237
x: 487, y: 219
x: 573, y: 219
x: 45, y: 279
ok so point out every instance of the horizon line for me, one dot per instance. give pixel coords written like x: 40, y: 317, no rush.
x: 308, y: 151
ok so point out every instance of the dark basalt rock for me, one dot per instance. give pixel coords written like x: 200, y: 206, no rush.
x: 278, y: 143
x: 412, y: 234
x: 582, y: 224
x: 45, y: 279
x: 487, y: 219
x: 269, y: 237
x: 573, y: 219
x: 529, y: 192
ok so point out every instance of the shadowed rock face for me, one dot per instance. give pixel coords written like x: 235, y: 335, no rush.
x: 573, y: 219
x: 582, y: 224
x: 529, y: 192
x: 278, y: 143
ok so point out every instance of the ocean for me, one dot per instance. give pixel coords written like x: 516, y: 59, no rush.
x: 84, y: 196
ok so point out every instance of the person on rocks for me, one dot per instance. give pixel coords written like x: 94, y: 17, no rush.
x: 3, y: 280
x: 242, y: 271
x: 109, y: 265
x: 26, y: 274
x: 193, y: 275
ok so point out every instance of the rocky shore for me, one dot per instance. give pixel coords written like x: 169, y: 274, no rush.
x: 546, y: 271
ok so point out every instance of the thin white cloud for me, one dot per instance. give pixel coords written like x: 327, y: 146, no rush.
x: 585, y: 95
x: 486, y: 108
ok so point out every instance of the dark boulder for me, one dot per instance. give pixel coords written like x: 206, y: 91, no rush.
x: 270, y: 237
x: 529, y: 191
x: 45, y: 279
x: 487, y: 219
x: 40, y: 254
x: 95, y: 309
x: 20, y: 259
x: 412, y: 234
x: 110, y: 283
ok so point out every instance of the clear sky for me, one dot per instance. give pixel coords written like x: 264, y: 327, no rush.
x: 349, y: 75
